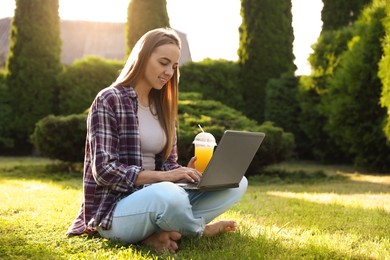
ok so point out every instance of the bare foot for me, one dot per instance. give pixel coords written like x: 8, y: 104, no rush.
x: 163, y: 241
x: 221, y: 226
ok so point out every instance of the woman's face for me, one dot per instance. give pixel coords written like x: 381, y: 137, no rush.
x: 160, y: 67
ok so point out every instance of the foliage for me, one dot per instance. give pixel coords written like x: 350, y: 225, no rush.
x: 143, y: 16
x: 315, y: 143
x: 215, y: 118
x: 5, y: 115
x: 33, y: 65
x: 325, y: 60
x: 337, y: 14
x: 327, y: 53
x: 79, y: 84
x: 61, y: 137
x: 215, y: 79
x: 265, y: 50
x: 304, y: 215
x: 351, y: 103
x: 281, y: 103
x: 384, y: 69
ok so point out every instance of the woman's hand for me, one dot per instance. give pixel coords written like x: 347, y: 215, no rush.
x: 191, y: 163
x: 181, y: 174
x: 184, y: 174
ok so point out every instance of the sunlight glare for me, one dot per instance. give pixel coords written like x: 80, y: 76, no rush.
x: 365, y: 201
x: 94, y: 10
x: 211, y: 26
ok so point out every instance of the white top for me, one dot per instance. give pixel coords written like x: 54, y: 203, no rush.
x: 152, y: 136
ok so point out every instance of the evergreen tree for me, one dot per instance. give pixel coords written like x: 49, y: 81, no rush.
x: 281, y: 102
x: 33, y: 65
x: 336, y: 14
x: 351, y: 102
x: 265, y: 51
x: 337, y: 17
x: 384, y: 74
x: 142, y: 16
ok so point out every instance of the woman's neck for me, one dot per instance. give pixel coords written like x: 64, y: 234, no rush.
x: 143, y: 96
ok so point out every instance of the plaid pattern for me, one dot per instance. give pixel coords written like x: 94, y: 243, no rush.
x: 113, y: 158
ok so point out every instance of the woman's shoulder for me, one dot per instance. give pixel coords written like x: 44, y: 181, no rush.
x: 117, y: 91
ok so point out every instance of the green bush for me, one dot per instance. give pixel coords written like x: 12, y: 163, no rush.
x: 281, y: 105
x: 215, y: 79
x: 215, y: 117
x: 352, y: 100
x: 79, y: 84
x: 61, y: 137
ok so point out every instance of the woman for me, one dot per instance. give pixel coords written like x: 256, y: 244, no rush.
x: 130, y: 164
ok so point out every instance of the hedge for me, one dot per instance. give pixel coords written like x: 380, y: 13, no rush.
x: 63, y: 137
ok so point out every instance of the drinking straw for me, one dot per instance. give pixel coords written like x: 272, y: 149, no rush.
x: 200, y: 128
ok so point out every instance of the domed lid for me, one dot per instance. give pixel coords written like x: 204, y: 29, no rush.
x: 204, y: 139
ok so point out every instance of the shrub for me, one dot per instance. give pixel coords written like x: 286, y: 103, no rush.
x: 351, y: 103
x: 79, y: 84
x: 61, y: 137
x: 215, y: 117
x: 215, y: 79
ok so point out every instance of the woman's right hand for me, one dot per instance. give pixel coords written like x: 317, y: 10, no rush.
x: 183, y: 174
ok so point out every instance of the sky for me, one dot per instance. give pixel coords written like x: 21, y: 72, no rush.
x: 211, y: 26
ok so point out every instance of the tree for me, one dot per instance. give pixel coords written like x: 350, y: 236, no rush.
x: 281, y: 102
x: 33, y: 65
x: 384, y: 74
x: 265, y: 51
x: 351, y: 102
x: 142, y: 16
x: 337, y: 14
x: 337, y: 31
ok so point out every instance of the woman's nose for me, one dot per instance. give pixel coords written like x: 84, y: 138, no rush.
x: 169, y: 71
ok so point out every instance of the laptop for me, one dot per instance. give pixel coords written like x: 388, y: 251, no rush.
x: 229, y: 162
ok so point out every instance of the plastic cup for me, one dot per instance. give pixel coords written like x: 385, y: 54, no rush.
x: 204, y: 147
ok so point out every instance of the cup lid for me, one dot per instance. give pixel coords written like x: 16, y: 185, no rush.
x: 205, y: 139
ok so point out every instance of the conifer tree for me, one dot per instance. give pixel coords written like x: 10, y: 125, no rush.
x: 265, y: 51
x: 33, y: 65
x: 336, y: 14
x: 142, y: 16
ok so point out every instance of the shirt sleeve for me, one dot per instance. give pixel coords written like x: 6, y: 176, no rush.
x: 104, y: 141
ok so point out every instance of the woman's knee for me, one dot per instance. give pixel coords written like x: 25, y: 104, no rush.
x: 240, y: 191
x: 243, y: 183
x: 170, y: 194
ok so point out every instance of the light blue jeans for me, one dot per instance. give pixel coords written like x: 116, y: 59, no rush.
x: 166, y: 206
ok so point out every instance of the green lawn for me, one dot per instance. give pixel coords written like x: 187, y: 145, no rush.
x: 337, y: 214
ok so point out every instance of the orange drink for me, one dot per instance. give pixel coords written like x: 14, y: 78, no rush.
x: 204, y: 148
x: 203, y: 155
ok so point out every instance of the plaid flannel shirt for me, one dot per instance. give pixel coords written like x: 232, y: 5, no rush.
x: 113, y: 158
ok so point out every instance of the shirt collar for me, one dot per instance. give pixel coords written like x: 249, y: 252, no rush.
x: 127, y: 91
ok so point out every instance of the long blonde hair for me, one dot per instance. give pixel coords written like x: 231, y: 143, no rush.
x: 164, y: 100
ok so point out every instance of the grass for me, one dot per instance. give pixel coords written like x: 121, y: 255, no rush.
x: 295, y: 210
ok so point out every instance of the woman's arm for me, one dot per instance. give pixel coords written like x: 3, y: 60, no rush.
x: 105, y: 147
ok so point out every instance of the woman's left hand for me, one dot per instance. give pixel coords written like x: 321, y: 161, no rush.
x: 191, y: 163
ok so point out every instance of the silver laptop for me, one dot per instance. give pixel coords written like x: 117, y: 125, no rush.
x: 229, y: 162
